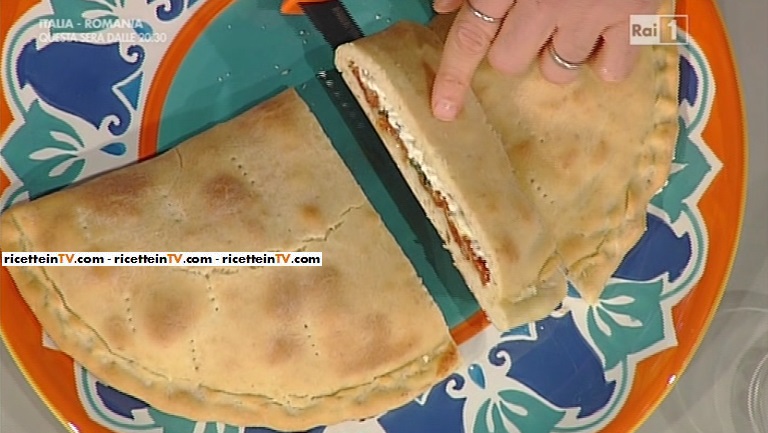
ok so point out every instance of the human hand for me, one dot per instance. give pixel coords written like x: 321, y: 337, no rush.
x: 512, y: 34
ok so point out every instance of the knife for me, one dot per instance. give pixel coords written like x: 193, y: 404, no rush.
x: 332, y: 19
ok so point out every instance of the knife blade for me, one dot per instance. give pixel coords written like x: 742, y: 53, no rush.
x: 333, y: 21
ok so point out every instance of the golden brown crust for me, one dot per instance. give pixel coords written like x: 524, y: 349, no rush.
x: 591, y: 154
x: 384, y: 393
x: 286, y: 348
x: 468, y: 157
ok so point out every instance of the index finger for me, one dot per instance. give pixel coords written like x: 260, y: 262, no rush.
x: 467, y: 43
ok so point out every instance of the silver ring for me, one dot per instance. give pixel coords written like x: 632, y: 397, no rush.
x: 561, y: 61
x: 487, y: 18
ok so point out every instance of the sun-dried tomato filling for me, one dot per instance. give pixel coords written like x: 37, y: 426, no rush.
x: 463, y: 241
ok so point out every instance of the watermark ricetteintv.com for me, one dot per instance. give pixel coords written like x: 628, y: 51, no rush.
x: 98, y: 30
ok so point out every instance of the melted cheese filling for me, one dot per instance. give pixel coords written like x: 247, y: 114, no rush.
x: 416, y: 158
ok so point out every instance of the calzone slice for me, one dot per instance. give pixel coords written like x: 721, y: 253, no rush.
x: 286, y: 348
x: 459, y: 173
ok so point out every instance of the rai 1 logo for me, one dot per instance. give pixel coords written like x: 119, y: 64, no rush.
x: 658, y: 29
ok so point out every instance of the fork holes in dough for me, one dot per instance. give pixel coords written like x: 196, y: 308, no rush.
x: 129, y: 313
x: 195, y: 362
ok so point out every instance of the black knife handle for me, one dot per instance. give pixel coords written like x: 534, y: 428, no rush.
x: 333, y: 21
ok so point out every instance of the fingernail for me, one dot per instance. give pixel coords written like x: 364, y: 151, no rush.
x: 440, y: 5
x: 445, y: 110
x: 613, y: 75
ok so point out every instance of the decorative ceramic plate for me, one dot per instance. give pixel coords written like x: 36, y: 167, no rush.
x: 81, y: 99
